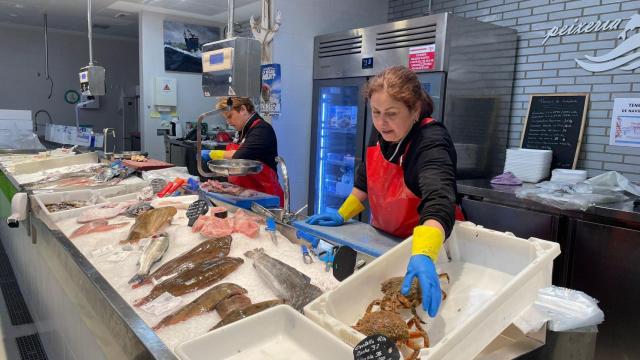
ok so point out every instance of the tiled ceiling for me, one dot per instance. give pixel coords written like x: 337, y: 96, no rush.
x: 116, y: 17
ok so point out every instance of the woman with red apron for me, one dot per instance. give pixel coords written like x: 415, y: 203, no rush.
x: 408, y: 177
x: 256, y: 141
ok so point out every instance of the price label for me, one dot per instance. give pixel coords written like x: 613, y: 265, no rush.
x: 376, y: 347
x: 197, y: 208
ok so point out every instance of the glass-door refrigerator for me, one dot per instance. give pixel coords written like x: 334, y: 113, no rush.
x: 337, y: 141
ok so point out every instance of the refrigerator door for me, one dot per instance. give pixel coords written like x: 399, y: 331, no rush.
x: 337, y: 136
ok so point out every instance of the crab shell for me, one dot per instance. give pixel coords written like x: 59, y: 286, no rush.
x: 383, y: 322
x: 391, y: 288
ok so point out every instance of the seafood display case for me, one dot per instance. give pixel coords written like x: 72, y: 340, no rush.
x: 466, y: 66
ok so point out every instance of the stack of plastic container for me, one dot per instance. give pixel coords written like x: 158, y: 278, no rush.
x: 529, y: 165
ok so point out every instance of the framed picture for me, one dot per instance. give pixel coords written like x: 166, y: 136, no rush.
x: 182, y: 45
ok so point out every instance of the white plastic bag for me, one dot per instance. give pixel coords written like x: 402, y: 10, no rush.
x: 613, y: 180
x: 568, y: 309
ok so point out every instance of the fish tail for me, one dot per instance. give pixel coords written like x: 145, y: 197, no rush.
x: 144, y: 300
x: 137, y: 279
x: 253, y: 253
x: 143, y: 281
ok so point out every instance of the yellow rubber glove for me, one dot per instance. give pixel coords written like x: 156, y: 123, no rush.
x: 216, y: 154
x: 350, y: 208
x: 427, y: 240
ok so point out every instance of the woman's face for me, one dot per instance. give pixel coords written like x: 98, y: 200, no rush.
x: 392, y: 118
x: 237, y: 118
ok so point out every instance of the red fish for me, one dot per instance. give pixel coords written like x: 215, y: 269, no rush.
x: 96, y: 226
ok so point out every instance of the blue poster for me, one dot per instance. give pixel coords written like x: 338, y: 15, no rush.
x: 270, y: 93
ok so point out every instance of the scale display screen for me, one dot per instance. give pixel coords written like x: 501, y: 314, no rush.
x: 83, y: 76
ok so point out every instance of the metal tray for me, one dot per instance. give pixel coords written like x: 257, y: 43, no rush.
x: 235, y: 167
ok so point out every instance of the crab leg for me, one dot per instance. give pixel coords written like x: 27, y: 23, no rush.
x: 416, y: 321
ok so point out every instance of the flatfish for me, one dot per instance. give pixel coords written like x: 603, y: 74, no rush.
x: 286, y: 282
x: 232, y: 303
x: 204, y: 274
x: 206, y: 250
x: 247, y: 311
x: 204, y: 303
x: 150, y: 223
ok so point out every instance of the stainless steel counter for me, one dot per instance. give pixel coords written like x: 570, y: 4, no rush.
x: 619, y: 212
x: 74, y: 308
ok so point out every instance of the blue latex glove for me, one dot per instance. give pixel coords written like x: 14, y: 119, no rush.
x: 205, y: 155
x: 422, y: 266
x: 326, y: 219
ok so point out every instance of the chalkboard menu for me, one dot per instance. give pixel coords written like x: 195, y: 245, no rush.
x: 556, y: 122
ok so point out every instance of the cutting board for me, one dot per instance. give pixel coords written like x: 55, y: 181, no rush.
x: 266, y: 200
x: 149, y: 164
x: 360, y: 236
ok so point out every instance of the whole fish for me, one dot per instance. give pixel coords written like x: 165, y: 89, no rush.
x: 151, y: 254
x: 232, y: 303
x: 104, y: 211
x: 150, y: 223
x: 286, y: 282
x: 246, y: 312
x: 206, y: 250
x: 204, y: 303
x: 96, y: 226
x: 138, y: 209
x: 204, y: 274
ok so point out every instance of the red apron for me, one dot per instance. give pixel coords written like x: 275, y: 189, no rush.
x: 393, y: 205
x: 265, y: 181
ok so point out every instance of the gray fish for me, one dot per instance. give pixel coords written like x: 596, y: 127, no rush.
x: 152, y: 253
x: 286, y: 282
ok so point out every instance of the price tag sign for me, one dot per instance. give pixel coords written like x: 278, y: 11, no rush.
x: 157, y: 185
x: 197, y: 208
x: 376, y: 347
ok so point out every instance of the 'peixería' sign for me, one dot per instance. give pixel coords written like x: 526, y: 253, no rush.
x: 623, y: 56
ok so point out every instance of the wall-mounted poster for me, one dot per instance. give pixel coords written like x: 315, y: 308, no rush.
x: 270, y: 93
x: 182, y: 45
x: 625, y: 123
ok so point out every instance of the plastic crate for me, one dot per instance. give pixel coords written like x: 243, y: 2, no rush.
x: 494, y: 277
x: 276, y: 333
x: 39, y: 202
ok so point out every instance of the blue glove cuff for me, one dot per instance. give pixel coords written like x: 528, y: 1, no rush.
x: 205, y: 154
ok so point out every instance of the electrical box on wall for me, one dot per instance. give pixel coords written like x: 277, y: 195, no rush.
x: 87, y: 103
x: 166, y: 92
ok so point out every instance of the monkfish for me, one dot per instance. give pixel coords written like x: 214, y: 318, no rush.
x: 286, y: 282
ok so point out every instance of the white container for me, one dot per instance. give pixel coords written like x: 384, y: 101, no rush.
x: 567, y: 176
x: 39, y: 202
x: 529, y: 165
x: 122, y: 189
x: 276, y: 333
x: 494, y: 277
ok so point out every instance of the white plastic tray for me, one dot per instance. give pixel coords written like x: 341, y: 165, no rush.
x: 494, y: 277
x: 276, y: 333
x: 39, y: 202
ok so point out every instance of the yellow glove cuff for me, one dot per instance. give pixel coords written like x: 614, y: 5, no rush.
x: 216, y: 154
x: 427, y: 240
x: 350, y: 208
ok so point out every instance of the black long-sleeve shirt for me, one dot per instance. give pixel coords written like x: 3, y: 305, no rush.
x: 258, y: 142
x: 429, y: 170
